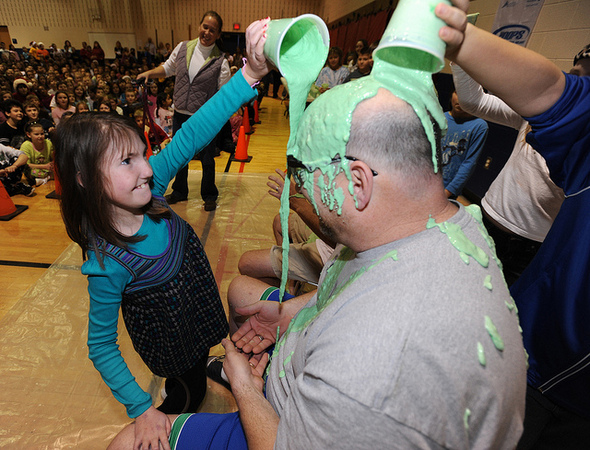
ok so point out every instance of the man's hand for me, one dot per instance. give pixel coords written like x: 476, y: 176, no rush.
x: 152, y: 429
x: 243, y: 371
x: 456, y: 19
x: 277, y: 184
x: 260, y: 330
x: 259, y: 420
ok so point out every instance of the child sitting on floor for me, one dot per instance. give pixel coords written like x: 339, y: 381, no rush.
x: 39, y: 168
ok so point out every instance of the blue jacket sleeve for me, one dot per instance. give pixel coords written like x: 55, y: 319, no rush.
x: 562, y: 135
x: 106, y: 289
x: 477, y: 140
x: 199, y: 130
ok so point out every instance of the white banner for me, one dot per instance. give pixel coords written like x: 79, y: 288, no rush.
x: 516, y: 19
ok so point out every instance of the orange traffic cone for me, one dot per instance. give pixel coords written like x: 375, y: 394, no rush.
x: 256, y: 117
x: 57, y: 184
x: 56, y: 194
x: 241, y: 153
x: 149, y: 153
x: 246, y: 121
x: 8, y: 209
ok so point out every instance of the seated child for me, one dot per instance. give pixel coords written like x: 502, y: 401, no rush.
x: 164, y: 112
x: 334, y: 73
x: 82, y: 107
x: 32, y: 115
x: 363, y: 64
x: 131, y: 103
x: 40, y: 153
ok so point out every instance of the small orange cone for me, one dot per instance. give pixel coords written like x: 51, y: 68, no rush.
x: 56, y: 193
x: 8, y: 209
x: 241, y: 153
x: 256, y: 117
x: 149, y: 153
x: 57, y: 184
x: 246, y: 121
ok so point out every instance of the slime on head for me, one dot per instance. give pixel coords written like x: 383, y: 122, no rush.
x: 324, y: 130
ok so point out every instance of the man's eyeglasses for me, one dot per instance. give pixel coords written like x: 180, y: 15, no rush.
x: 297, y: 170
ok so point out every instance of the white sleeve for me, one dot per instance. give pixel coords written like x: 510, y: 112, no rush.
x: 474, y: 100
x: 10, y: 151
x: 170, y: 63
x: 224, y: 74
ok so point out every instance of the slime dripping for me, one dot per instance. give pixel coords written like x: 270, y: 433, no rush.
x: 481, y: 354
x: 493, y: 332
x: 461, y: 242
x: 487, y: 282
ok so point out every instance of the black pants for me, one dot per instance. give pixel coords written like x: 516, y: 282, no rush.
x: 515, y: 252
x: 207, y: 157
x: 186, y: 392
x: 548, y: 426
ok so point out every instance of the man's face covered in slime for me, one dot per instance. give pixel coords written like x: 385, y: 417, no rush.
x: 324, y: 130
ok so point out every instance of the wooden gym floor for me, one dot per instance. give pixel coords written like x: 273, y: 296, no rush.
x: 52, y: 396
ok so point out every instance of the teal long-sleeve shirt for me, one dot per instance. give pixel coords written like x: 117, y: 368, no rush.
x: 106, y: 287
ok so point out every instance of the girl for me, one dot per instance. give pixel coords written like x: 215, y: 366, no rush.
x: 152, y: 96
x: 105, y: 105
x: 142, y: 257
x: 79, y: 94
x: 116, y: 91
x: 82, y: 107
x: 334, y: 74
x: 97, y: 53
x: 40, y: 152
x: 62, y: 104
x: 164, y: 113
x: 118, y: 50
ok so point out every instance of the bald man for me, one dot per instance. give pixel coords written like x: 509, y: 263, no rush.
x: 389, y: 352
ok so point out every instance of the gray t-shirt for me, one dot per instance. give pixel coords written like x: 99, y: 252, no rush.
x: 402, y: 356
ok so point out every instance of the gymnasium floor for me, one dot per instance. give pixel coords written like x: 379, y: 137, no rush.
x: 52, y: 397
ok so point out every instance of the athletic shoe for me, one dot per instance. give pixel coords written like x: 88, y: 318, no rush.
x: 214, y: 366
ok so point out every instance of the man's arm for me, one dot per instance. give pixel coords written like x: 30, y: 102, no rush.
x: 502, y: 67
x: 259, y: 420
x: 265, y: 317
x: 475, y: 101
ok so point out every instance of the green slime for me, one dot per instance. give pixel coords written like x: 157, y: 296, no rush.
x: 487, y: 282
x: 302, y: 55
x: 493, y: 332
x: 481, y: 356
x: 461, y: 242
x: 466, y: 416
x: 326, y: 295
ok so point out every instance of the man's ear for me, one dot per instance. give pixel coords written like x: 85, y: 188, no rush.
x: 362, y: 183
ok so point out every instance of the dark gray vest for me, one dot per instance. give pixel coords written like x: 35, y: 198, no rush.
x: 191, y: 96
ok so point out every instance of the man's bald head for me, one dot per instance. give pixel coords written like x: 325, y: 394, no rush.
x: 386, y: 132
